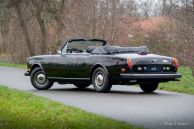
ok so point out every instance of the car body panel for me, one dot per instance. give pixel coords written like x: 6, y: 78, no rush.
x: 75, y: 67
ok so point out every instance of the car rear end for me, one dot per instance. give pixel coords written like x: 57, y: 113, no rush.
x: 149, y: 68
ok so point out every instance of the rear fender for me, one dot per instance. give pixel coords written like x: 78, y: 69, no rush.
x: 96, y: 66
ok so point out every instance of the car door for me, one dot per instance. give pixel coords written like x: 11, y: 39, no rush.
x: 82, y: 68
x: 68, y: 66
x: 60, y: 66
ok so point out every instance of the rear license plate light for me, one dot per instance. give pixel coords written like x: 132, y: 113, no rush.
x: 153, y: 69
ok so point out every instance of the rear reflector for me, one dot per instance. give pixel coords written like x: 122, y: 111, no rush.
x: 129, y: 63
x: 175, y: 62
x: 123, y: 70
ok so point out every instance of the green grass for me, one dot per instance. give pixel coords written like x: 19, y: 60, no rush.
x: 21, y: 110
x: 185, y: 85
x: 13, y: 65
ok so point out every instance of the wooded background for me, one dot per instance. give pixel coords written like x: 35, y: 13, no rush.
x: 33, y: 27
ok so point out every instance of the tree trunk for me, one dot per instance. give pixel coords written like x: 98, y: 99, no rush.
x: 24, y: 28
x: 94, y: 19
x: 59, y: 26
x: 4, y: 34
x: 192, y: 69
x: 44, y: 47
x: 193, y: 5
x: 39, y: 8
x: 164, y: 7
x: 2, y: 42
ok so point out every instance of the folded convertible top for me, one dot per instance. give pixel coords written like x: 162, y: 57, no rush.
x: 118, y: 49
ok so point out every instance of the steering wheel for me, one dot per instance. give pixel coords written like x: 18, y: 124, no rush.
x: 75, y: 50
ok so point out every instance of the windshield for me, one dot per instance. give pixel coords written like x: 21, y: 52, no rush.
x: 80, y: 46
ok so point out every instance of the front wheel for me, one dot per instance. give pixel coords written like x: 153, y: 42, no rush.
x: 101, y: 81
x: 149, y: 87
x: 39, y: 79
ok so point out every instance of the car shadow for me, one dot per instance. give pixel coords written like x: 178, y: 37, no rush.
x: 90, y: 91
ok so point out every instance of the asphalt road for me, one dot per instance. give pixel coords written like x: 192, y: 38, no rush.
x: 159, y: 110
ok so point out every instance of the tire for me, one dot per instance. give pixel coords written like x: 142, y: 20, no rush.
x: 101, y: 81
x: 39, y: 79
x: 82, y: 85
x: 149, y: 87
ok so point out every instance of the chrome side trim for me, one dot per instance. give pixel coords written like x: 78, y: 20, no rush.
x: 60, y: 78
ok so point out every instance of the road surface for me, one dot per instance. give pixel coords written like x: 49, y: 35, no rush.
x: 159, y: 110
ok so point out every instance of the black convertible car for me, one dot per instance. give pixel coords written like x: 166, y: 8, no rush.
x: 91, y: 61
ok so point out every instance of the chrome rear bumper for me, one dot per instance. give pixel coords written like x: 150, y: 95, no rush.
x: 150, y: 76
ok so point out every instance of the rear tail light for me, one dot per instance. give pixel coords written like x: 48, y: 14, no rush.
x: 175, y: 62
x: 129, y: 62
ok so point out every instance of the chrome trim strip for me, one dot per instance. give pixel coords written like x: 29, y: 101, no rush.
x: 60, y: 78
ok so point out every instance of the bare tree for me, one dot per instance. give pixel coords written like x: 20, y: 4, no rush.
x: 18, y: 7
x: 146, y: 6
x: 39, y: 5
x: 4, y: 23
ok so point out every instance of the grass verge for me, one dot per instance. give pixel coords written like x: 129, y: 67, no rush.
x: 20, y: 110
x: 185, y: 85
x: 13, y: 65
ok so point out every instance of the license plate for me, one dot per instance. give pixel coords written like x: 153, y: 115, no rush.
x: 153, y: 68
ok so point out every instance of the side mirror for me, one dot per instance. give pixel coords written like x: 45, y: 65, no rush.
x: 59, y: 52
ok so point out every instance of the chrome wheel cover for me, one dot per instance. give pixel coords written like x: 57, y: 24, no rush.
x: 40, y: 78
x: 99, y: 79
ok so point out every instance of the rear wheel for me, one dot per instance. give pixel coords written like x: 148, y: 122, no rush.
x: 149, y: 87
x: 39, y: 79
x: 101, y: 81
x: 82, y: 85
